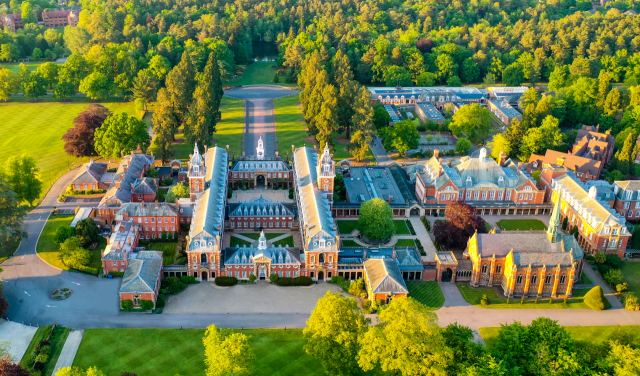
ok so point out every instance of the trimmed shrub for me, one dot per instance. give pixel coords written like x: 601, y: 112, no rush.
x: 117, y: 274
x: 614, y: 261
x: 594, y: 298
x: 337, y: 279
x: 600, y: 257
x: 631, y: 303
x: 172, y: 284
x: 226, y: 281
x: 484, y: 301
x: 622, y: 287
x: 188, y: 279
x: 297, y: 281
x: 273, y: 278
x: 366, y: 304
x: 160, y: 302
x: 252, y: 278
x: 603, y: 269
x: 146, y: 305
x: 613, y: 277
x: 127, y: 305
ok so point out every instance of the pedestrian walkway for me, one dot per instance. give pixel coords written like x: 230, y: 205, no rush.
x: 69, y: 350
x: 19, y: 337
x: 245, y: 238
x: 283, y: 236
x: 425, y: 240
x: 595, y: 277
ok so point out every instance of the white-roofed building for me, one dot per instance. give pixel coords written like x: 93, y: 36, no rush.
x: 210, y: 172
x: 313, y: 178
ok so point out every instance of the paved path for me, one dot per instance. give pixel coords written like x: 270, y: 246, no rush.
x: 69, y: 350
x: 595, y: 277
x: 260, y: 118
x: 378, y: 151
x: 19, y: 337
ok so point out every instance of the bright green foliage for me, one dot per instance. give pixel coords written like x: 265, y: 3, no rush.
x: 165, y: 122
x: 594, y: 299
x: 145, y: 88
x: 49, y: 71
x: 426, y: 79
x: 471, y: 121
x: 121, y: 133
x: 613, y: 277
x: 76, y: 39
x: 73, y: 255
x: 22, y: 175
x: 499, y: 144
x: 63, y: 233
x: 226, y: 352
x: 146, y: 305
x: 538, y: 140
x: 34, y: 86
x: 87, y: 231
x: 28, y: 14
x: 96, y: 86
x: 8, y: 84
x: 361, y: 122
x: 75, y: 371
x: 402, y: 136
x: 624, y: 359
x: 204, y: 112
x: 333, y: 331
x: 466, y: 352
x: 381, y: 118
x: 407, y: 340
x: 376, y: 219
x: 463, y: 145
x: 513, y: 75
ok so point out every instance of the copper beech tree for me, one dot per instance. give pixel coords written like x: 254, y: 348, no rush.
x: 460, y: 223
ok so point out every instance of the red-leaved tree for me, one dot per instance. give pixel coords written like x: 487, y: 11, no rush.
x: 8, y: 368
x: 78, y: 141
x: 461, y: 222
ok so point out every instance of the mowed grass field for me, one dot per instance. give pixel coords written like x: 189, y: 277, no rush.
x: 167, y: 352
x: 15, y: 67
x: 36, y: 129
x: 592, y: 334
x: 521, y: 224
x: 229, y: 129
x: 427, y: 293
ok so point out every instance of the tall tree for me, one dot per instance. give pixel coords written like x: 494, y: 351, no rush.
x: 539, y: 139
x: 403, y: 136
x: 307, y: 80
x: 34, y: 86
x: 406, y: 340
x: 8, y: 84
x: 325, y: 120
x: 181, y: 85
x: 22, y: 174
x: 165, y: 121
x: 472, y: 121
x: 145, y: 88
x: 362, y: 125
x: 28, y: 15
x: 201, y: 122
x: 514, y: 135
x: 79, y: 140
x: 332, y: 334
x: 376, y: 219
x: 342, y: 79
x: 121, y: 133
x: 226, y: 353
x: 11, y: 216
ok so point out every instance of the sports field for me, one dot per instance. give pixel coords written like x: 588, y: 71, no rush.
x: 37, y: 128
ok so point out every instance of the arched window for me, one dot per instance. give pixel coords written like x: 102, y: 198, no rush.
x: 519, y: 279
x: 547, y: 279
x: 563, y: 279
x: 534, y: 279
x: 484, y: 269
x: 498, y: 269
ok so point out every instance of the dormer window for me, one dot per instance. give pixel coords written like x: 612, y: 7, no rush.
x: 629, y: 194
x: 196, y: 168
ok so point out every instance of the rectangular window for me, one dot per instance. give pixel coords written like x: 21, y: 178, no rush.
x: 460, y: 196
x: 476, y: 195
x: 484, y: 195
x: 153, y: 220
x: 166, y: 220
x: 173, y: 219
x: 146, y: 219
x: 626, y: 205
x: 508, y: 196
x: 500, y: 195
x: 637, y: 204
x: 442, y: 198
x: 493, y: 195
x: 520, y: 196
x: 295, y: 274
x: 244, y: 274
x: 139, y: 197
x: 139, y: 220
x: 288, y: 274
x: 468, y: 195
x: 280, y: 274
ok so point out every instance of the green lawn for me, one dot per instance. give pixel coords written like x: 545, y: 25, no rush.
x: 284, y: 242
x: 405, y: 243
x: 631, y: 275
x: 347, y: 227
x: 51, y: 254
x: 427, y: 293
x: 258, y: 73
x: 229, y: 129
x: 349, y: 243
x: 168, y: 251
x: 237, y: 242
x: 15, y: 67
x: 290, y: 128
x: 401, y: 227
x: 592, y: 334
x: 473, y: 296
x: 167, y: 352
x: 37, y: 128
x: 584, y: 278
x: 256, y: 235
x: 521, y: 224
x: 57, y: 340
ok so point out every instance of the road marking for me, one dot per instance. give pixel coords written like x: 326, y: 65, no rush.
x: 52, y: 306
x: 76, y: 283
x: 22, y: 257
x: 27, y: 293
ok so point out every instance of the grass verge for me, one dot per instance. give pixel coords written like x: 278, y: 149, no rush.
x: 401, y: 227
x: 168, y: 251
x: 521, y: 224
x: 427, y: 293
x: 288, y: 241
x: 290, y: 127
x: 473, y: 296
x: 229, y: 129
x: 51, y: 254
x: 405, y: 243
x: 631, y: 275
x: 172, y: 351
x: 237, y: 242
x: 347, y: 227
x: 349, y: 243
x: 57, y: 340
x: 592, y: 334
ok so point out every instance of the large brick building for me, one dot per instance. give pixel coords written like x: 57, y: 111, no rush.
x: 128, y: 185
x: 476, y: 180
x: 592, y: 144
x: 61, y: 18
x: 600, y: 228
x: 585, y: 168
x: 261, y: 213
x: 260, y: 170
x: 141, y: 280
x: 12, y: 21
x: 120, y: 246
x: 154, y: 219
x: 627, y: 199
x: 92, y: 176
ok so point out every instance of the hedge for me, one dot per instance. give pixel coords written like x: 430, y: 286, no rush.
x: 126, y: 305
x: 297, y: 281
x: 226, y: 281
x: 188, y: 279
x: 117, y: 274
x: 594, y: 298
x: 85, y: 269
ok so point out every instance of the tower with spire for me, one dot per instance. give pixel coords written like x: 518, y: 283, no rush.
x: 326, y: 173
x: 260, y: 150
x: 262, y: 242
x: 196, y: 173
x: 553, y: 233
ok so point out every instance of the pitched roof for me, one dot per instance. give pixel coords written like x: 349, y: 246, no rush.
x: 315, y: 214
x: 245, y: 255
x: 534, y: 245
x: 142, y: 272
x: 145, y: 186
x: 122, y: 241
x: 570, y: 161
x: 260, y: 207
x: 135, y: 165
x: 141, y: 209
x: 91, y: 172
x: 384, y: 276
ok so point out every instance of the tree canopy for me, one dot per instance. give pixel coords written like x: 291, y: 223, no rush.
x: 376, y: 219
x: 121, y: 133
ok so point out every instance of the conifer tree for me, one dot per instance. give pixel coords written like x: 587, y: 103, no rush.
x: 180, y: 85
x: 362, y: 130
x: 325, y: 121
x: 315, y: 101
x: 514, y: 135
x: 203, y: 114
x: 342, y: 79
x: 216, y: 85
x: 164, y: 124
x: 307, y: 81
x: 612, y: 103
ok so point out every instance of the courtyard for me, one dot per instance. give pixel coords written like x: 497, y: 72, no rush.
x: 261, y: 297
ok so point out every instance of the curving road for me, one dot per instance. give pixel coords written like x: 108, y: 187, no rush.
x: 28, y: 280
x: 260, y: 118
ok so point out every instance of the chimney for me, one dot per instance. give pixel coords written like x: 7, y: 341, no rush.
x: 364, y: 257
x: 560, y: 161
x: 598, y: 128
x: 131, y: 153
x: 118, y: 184
x: 129, y: 241
x: 157, y: 204
x: 206, y: 148
x: 315, y: 148
x: 243, y: 156
x: 121, y: 154
x: 519, y: 165
x: 608, y: 131
x: 132, y: 188
x: 277, y: 154
x: 109, y: 240
x: 227, y: 149
x: 122, y: 228
x: 436, y: 153
x: 502, y: 158
x: 394, y: 252
x: 293, y: 150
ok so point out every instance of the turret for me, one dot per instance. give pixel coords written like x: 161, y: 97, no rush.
x: 196, y: 173
x: 326, y: 173
x: 553, y: 233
